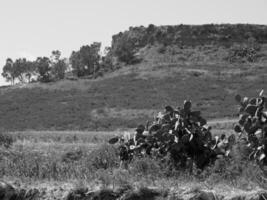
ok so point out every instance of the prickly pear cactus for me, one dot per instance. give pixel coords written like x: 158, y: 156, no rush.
x: 178, y: 134
x: 252, y: 125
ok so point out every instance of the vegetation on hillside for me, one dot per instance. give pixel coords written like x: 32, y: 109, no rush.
x: 141, y: 71
x: 43, y: 69
x: 126, y: 44
x: 125, y: 100
x: 242, y: 41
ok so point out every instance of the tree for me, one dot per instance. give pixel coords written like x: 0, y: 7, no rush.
x: 43, y: 69
x: 30, y: 70
x: 86, y: 61
x: 124, y: 48
x: 21, y: 69
x: 59, y: 69
x: 58, y: 65
x: 107, y: 61
x: 8, y: 71
x: 55, y: 57
x: 24, y: 69
x: 47, y: 69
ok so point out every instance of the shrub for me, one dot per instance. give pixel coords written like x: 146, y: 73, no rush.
x: 6, y: 140
x: 244, y: 52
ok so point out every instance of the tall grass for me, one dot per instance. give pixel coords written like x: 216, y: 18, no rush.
x: 65, y: 160
x: 40, y: 165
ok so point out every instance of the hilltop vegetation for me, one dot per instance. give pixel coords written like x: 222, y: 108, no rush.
x: 237, y: 43
x: 144, y: 69
x: 126, y: 44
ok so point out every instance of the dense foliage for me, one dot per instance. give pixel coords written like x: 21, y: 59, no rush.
x: 20, y: 69
x: 179, y: 136
x: 43, y: 69
x: 86, y: 61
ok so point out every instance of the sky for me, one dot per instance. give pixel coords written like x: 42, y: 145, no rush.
x: 32, y: 28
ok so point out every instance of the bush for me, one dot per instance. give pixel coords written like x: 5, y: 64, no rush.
x: 6, y: 140
x: 244, y: 52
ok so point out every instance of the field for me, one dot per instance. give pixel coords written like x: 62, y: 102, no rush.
x: 128, y: 97
x: 57, y: 162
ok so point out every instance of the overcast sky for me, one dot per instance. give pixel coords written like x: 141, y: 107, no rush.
x: 31, y: 28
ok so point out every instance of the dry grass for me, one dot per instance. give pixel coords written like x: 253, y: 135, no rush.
x: 64, y: 136
x: 36, y: 159
x: 59, y: 156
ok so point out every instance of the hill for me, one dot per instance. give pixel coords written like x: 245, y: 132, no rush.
x: 166, y: 74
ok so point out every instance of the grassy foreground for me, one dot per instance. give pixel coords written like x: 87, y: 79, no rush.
x: 55, y: 163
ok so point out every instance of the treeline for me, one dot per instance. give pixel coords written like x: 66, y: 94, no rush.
x: 241, y: 39
x: 87, y: 61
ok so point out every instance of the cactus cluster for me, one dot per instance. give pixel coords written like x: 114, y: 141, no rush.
x: 180, y: 135
x: 252, y: 125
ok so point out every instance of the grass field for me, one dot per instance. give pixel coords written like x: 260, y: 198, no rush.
x: 56, y: 162
x: 128, y: 97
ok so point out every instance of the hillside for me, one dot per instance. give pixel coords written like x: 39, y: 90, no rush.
x: 193, y: 35
x: 167, y: 74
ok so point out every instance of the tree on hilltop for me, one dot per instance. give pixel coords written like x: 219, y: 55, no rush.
x: 20, y: 69
x: 86, y: 61
x: 9, y: 71
x: 58, y: 65
x: 43, y: 68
